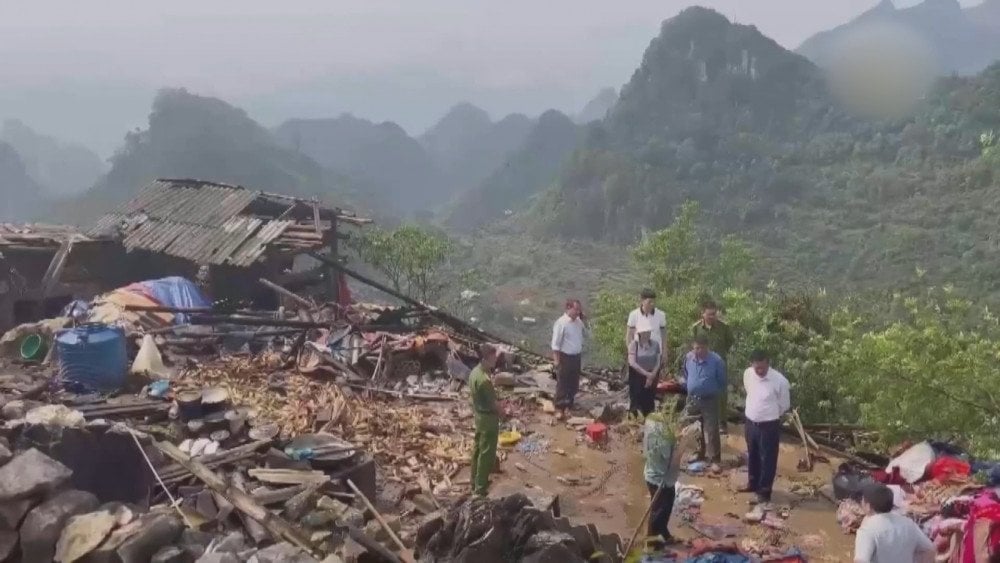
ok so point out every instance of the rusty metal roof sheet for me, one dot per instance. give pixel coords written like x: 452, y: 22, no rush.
x: 205, y: 222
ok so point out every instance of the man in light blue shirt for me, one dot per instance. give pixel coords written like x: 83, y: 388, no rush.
x: 705, y: 374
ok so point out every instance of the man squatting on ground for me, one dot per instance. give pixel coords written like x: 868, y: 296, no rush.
x: 887, y: 537
x: 487, y: 419
x: 567, y: 348
x: 705, y: 375
x: 768, y: 399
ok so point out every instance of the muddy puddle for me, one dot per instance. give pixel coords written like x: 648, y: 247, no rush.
x: 606, y: 487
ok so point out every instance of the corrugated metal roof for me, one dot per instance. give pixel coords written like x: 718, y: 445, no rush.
x: 196, y: 220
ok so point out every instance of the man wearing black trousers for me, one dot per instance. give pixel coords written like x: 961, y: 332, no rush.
x: 768, y: 398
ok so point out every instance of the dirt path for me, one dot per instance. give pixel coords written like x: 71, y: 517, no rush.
x: 609, y: 489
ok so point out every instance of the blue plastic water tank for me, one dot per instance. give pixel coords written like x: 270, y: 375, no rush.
x: 92, y: 357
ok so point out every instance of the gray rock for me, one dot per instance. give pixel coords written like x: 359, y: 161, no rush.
x: 218, y: 558
x: 8, y: 544
x: 283, y: 552
x: 5, y: 454
x: 42, y: 526
x: 557, y: 553
x: 195, y: 542
x: 157, y: 532
x: 31, y: 473
x: 13, y: 511
x: 233, y: 542
x: 172, y: 554
x: 16, y: 409
x: 83, y: 533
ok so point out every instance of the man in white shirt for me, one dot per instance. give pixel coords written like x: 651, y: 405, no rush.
x: 888, y: 537
x: 768, y: 398
x: 657, y: 320
x: 567, y: 350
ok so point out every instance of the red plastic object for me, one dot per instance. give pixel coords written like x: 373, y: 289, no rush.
x: 669, y: 386
x: 597, y: 431
x: 944, y: 467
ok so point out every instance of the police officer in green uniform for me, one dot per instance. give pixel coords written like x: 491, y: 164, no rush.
x: 720, y: 340
x: 487, y: 417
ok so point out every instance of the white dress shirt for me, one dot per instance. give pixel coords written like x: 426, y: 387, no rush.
x: 657, y: 319
x: 768, y: 397
x: 567, y: 336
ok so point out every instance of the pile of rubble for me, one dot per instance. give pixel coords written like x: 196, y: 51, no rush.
x: 510, y: 529
x: 308, y: 433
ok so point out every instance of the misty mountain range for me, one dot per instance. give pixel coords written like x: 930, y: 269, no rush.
x: 467, y: 168
x: 962, y: 41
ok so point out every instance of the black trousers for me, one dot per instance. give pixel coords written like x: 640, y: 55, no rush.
x: 659, y: 515
x: 641, y: 399
x: 567, y: 380
x: 762, y: 455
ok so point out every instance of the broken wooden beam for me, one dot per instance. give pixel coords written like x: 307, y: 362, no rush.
x: 278, y: 527
x: 286, y: 293
x: 205, y: 319
x: 289, y: 476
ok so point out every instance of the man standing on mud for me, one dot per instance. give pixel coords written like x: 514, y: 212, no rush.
x: 487, y: 417
x: 705, y: 374
x: 567, y: 348
x: 768, y: 399
x: 720, y: 341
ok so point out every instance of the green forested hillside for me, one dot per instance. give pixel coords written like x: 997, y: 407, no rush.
x: 527, y: 171
x: 719, y: 114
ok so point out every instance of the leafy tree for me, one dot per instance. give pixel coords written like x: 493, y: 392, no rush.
x: 411, y: 257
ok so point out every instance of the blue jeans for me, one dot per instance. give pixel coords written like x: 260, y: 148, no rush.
x: 762, y: 456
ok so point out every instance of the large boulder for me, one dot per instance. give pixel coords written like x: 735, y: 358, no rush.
x: 283, y: 552
x: 157, y: 532
x: 82, y: 534
x: 31, y: 473
x: 44, y: 524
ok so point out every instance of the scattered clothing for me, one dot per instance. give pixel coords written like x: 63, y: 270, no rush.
x: 913, y: 463
x: 487, y: 421
x: 850, y: 514
x: 890, y: 538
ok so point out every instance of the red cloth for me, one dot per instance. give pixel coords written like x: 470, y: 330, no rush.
x: 893, y: 478
x: 982, y: 532
x: 946, y: 466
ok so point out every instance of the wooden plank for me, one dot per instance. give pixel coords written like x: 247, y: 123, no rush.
x: 278, y: 527
x: 289, y: 476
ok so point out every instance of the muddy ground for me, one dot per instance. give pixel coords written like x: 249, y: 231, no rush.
x: 610, y: 490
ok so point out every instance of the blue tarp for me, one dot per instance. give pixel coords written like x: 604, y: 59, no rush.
x: 174, y: 291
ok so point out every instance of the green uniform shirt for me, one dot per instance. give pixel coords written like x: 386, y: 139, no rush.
x: 484, y: 397
x: 720, y: 336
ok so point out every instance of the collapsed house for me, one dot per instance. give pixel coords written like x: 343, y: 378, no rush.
x: 175, y: 226
x: 44, y: 267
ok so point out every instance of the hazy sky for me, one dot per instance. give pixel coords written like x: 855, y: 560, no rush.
x: 86, y: 71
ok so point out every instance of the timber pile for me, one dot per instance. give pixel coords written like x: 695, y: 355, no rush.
x: 409, y: 440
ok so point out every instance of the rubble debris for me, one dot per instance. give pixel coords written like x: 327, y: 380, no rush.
x: 43, y: 525
x: 31, y: 473
x: 82, y: 534
x: 506, y: 529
